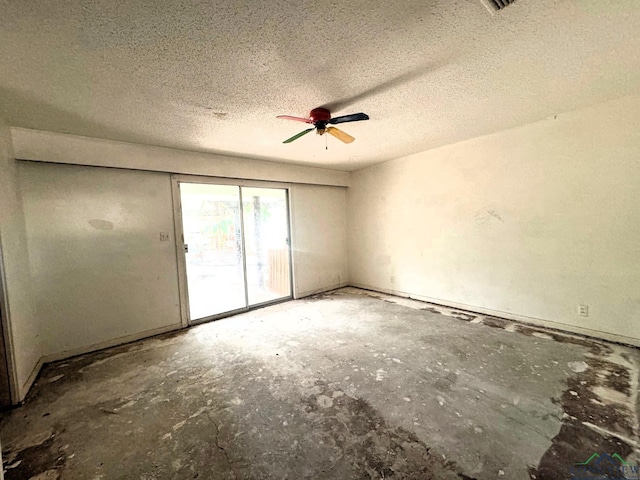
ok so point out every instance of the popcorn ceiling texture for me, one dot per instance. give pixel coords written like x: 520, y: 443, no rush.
x: 212, y: 76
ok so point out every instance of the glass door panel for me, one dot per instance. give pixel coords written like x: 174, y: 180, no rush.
x: 266, y: 240
x: 211, y: 222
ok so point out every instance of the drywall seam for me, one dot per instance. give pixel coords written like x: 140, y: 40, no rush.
x: 611, y: 337
x: 43, y: 146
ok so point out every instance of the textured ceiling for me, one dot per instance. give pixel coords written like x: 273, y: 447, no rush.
x: 212, y: 75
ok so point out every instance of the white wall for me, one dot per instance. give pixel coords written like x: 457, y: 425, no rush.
x: 319, y: 230
x: 23, y: 333
x: 53, y: 147
x: 99, y: 272
x: 528, y: 222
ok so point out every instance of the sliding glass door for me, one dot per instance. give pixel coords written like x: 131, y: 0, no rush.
x: 211, y: 222
x: 266, y: 244
x: 236, y: 247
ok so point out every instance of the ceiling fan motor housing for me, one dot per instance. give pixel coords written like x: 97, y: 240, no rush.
x: 320, y: 118
x: 320, y: 115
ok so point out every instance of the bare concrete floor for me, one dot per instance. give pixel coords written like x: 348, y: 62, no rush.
x: 350, y: 385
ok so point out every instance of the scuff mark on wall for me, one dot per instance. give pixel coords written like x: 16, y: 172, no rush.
x: 101, y: 224
x: 486, y: 215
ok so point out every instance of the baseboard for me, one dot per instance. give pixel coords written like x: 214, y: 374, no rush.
x: 611, y: 337
x: 55, y: 357
x: 26, y: 386
x: 309, y: 293
x: 539, y: 322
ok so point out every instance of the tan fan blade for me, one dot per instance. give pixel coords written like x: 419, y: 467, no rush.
x: 340, y: 135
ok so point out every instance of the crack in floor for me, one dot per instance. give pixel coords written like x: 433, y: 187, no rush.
x: 222, y: 449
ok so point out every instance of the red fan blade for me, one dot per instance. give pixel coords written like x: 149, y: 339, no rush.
x: 297, y: 119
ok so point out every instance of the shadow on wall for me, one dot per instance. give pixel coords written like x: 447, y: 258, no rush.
x: 330, y: 79
x: 390, y: 84
x: 21, y: 109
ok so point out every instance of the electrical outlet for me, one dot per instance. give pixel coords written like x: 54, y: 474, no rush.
x: 164, y: 237
x: 583, y: 310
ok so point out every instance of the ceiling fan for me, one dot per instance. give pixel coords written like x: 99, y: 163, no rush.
x: 321, y: 119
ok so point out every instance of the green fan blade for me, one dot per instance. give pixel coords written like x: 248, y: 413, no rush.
x: 297, y: 136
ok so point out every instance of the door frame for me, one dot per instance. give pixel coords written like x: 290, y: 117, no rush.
x: 183, y: 287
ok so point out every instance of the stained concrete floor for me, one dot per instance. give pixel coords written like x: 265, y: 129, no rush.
x: 350, y: 385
